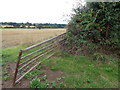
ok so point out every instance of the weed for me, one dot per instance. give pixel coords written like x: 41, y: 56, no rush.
x: 61, y: 85
x: 32, y: 74
x: 100, y: 57
x: 47, y: 83
x: 44, y: 77
x: 91, y: 65
x: 108, y: 69
x: 54, y: 84
x: 38, y: 67
x: 6, y: 77
x: 37, y: 84
x: 58, y: 79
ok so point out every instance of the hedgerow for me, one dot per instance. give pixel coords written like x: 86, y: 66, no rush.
x: 96, y: 23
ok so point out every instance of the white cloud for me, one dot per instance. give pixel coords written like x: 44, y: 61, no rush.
x: 50, y: 11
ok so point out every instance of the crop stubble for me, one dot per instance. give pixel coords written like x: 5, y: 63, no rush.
x: 14, y: 37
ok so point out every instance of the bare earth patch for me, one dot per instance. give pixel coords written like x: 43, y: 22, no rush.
x: 24, y: 83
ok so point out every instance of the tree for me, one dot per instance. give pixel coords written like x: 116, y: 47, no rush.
x: 39, y: 26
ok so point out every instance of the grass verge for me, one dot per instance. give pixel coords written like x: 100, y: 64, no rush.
x: 80, y: 71
x: 83, y: 72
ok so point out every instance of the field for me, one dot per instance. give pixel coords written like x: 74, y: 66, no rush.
x: 14, y: 37
x: 62, y: 70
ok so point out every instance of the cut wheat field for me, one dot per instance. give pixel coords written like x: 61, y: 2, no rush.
x: 14, y: 37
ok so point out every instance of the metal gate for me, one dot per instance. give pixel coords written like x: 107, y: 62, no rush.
x: 32, y: 56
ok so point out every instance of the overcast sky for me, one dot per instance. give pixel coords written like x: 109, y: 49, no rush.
x: 35, y: 11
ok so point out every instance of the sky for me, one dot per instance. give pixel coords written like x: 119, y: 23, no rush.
x: 36, y: 11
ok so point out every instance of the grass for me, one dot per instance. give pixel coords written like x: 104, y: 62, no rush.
x: 11, y: 54
x: 82, y: 72
x: 79, y: 71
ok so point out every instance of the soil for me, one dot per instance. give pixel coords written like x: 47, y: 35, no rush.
x: 51, y: 75
x: 9, y: 68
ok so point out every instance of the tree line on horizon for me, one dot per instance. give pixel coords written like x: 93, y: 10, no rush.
x: 31, y: 25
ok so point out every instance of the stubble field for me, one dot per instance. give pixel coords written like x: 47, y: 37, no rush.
x: 14, y: 37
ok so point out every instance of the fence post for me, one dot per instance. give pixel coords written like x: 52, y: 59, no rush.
x: 17, y: 65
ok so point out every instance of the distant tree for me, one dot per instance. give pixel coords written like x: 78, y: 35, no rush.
x: 39, y: 26
x: 23, y: 25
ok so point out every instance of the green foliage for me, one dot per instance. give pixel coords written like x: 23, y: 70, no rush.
x: 54, y: 84
x: 58, y: 79
x: 44, y: 77
x: 104, y: 58
x: 37, y: 84
x: 108, y: 69
x: 38, y: 67
x: 100, y: 57
x: 32, y: 74
x: 97, y: 22
x: 61, y: 85
x: 39, y: 26
x: 6, y: 77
